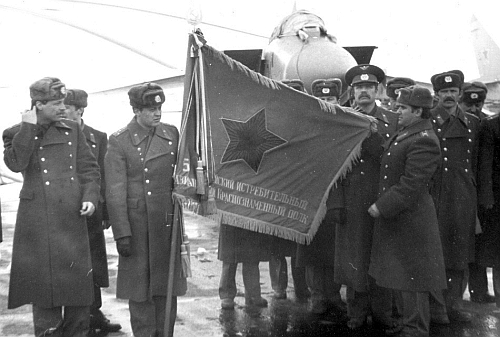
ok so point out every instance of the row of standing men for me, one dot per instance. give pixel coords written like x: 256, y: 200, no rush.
x: 400, y: 230
x: 52, y: 268
x: 76, y: 182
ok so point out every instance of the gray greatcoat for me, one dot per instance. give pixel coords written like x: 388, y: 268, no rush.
x: 355, y: 193
x: 139, y: 183
x: 406, y: 252
x: 51, y: 264
x: 454, y: 185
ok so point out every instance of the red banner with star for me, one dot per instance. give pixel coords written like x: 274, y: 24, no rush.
x: 266, y: 155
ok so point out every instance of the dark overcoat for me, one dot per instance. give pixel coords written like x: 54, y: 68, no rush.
x: 320, y: 252
x: 98, y: 142
x: 139, y: 183
x: 488, y: 242
x: 406, y: 251
x: 51, y: 263
x: 242, y: 245
x: 454, y: 185
x: 356, y: 192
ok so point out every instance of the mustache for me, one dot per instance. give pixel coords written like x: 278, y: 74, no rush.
x: 364, y: 95
x: 449, y: 99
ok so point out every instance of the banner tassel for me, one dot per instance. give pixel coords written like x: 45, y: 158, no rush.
x: 211, y: 204
x: 200, y: 179
x: 185, y: 245
x: 185, y: 260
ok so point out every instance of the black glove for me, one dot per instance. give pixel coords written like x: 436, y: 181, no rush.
x: 124, y: 246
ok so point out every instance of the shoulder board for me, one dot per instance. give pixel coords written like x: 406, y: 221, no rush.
x: 489, y: 118
x: 18, y: 125
x: 119, y: 132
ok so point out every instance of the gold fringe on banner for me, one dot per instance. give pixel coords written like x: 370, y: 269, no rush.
x: 284, y: 232
x: 255, y: 225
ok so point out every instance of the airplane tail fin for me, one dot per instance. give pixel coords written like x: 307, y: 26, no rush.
x: 487, y: 53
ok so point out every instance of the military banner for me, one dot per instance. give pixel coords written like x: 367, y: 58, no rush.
x: 264, y: 154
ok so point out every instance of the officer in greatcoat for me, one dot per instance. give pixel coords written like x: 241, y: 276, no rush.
x: 406, y: 251
x: 473, y: 97
x: 76, y: 102
x: 139, y: 167
x: 454, y: 191
x: 318, y: 257
x: 488, y: 242
x: 394, y: 84
x: 51, y: 264
x: 352, y: 197
x: 472, y: 101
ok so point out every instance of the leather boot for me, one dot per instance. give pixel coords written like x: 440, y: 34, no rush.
x: 256, y: 301
x: 99, y: 321
x: 227, y: 304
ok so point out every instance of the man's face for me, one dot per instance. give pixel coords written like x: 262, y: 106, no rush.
x: 52, y: 111
x: 73, y: 113
x: 473, y: 108
x: 407, y: 115
x: 448, y: 98
x: 149, y: 117
x: 364, y: 93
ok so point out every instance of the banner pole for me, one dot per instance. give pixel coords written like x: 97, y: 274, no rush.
x: 174, y: 249
x: 171, y: 268
x: 203, y: 111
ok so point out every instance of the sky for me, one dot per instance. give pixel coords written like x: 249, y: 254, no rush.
x: 107, y: 44
x: 414, y: 38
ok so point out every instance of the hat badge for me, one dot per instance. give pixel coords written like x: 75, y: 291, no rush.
x: 448, y: 79
x: 325, y: 90
x: 474, y: 96
x: 63, y: 90
x: 363, y: 67
x: 364, y: 77
x: 157, y: 99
